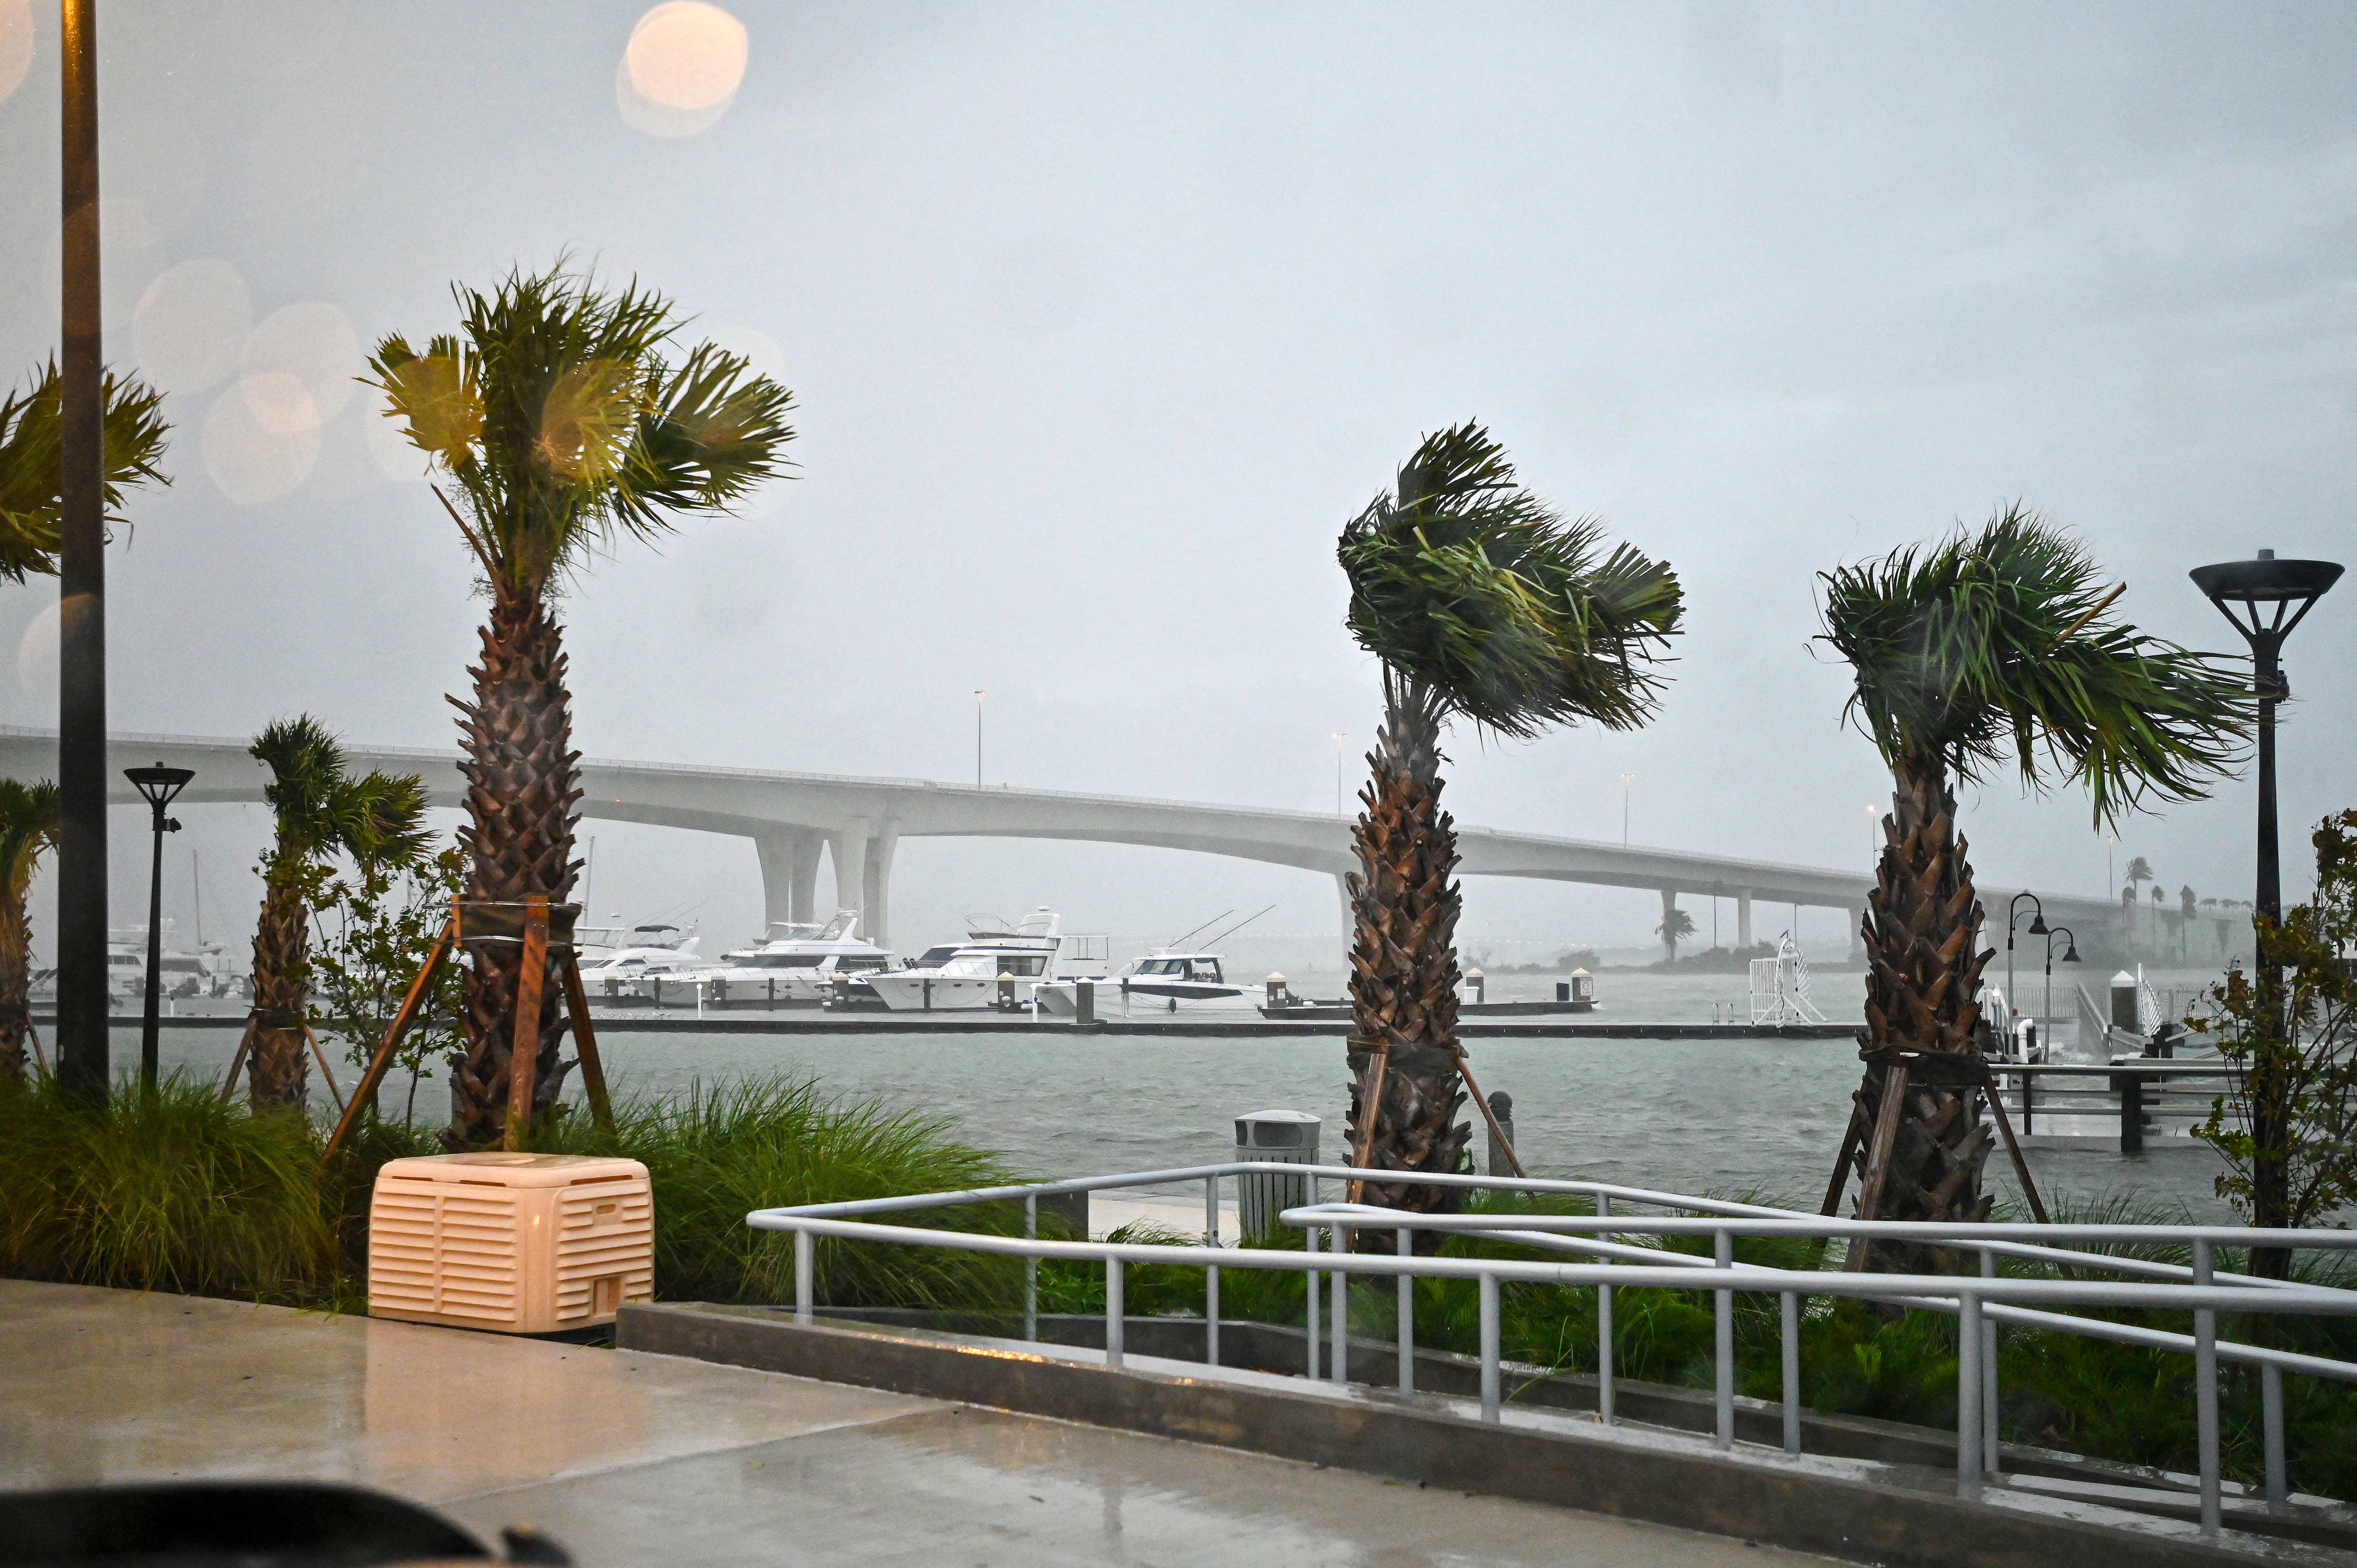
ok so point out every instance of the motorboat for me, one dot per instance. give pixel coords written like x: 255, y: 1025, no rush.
x: 796, y: 963
x: 204, y: 972
x: 957, y: 975
x: 593, y: 942
x: 1179, y: 977
x: 636, y: 974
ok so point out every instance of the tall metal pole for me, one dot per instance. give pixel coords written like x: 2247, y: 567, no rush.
x: 149, y: 1027
x: 2267, y: 676
x: 977, y: 739
x: 82, y: 1065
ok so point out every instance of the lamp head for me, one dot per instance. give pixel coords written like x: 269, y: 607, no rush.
x: 2263, y: 597
x: 2070, y: 944
x: 2038, y: 926
x: 160, y: 784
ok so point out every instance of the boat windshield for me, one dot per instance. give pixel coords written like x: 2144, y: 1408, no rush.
x: 1163, y: 966
x: 776, y: 959
x: 933, y: 958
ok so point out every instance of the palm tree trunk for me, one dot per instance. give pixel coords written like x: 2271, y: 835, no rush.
x: 278, y: 1070
x: 522, y: 788
x: 1922, y: 993
x: 1403, y: 974
x: 15, y: 984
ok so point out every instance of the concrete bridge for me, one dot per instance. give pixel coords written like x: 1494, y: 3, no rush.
x: 860, y: 824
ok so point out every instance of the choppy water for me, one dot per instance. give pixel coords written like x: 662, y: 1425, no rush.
x: 1687, y: 1116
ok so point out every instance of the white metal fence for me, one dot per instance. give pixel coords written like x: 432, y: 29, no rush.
x: 1984, y: 1301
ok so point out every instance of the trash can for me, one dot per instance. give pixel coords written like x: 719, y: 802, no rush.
x: 1286, y: 1137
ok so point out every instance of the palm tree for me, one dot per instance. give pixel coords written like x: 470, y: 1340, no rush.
x: 31, y: 472
x: 556, y: 416
x: 321, y: 808
x: 1484, y: 605
x: 2139, y: 873
x: 28, y: 826
x: 1974, y: 655
x: 1677, y: 926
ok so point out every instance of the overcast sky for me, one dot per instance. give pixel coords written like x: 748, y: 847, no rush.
x: 1103, y: 320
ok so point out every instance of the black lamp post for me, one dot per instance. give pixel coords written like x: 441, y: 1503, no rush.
x: 2266, y: 598
x: 2070, y: 955
x: 2036, y: 929
x: 160, y: 784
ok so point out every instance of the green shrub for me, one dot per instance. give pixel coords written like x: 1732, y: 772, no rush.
x: 172, y: 1190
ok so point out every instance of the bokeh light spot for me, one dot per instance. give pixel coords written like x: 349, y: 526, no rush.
x: 251, y: 462
x: 190, y: 325
x: 312, y: 345
x: 684, y: 54
x: 37, y: 657
x: 16, y: 44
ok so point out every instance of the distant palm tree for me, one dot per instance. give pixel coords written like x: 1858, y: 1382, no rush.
x: 28, y: 827
x: 1675, y: 927
x: 1969, y: 657
x: 32, y: 505
x: 1484, y: 605
x: 557, y: 417
x: 321, y: 810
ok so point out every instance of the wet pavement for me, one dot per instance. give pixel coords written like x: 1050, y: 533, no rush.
x: 633, y: 1458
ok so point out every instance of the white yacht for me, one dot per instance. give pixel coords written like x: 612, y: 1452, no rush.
x: 966, y: 975
x: 1179, y: 977
x: 796, y: 963
x: 204, y: 972
x: 627, y: 973
x: 595, y: 943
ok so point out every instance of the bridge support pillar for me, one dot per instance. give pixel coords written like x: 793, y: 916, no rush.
x: 875, y: 885
x: 1349, y: 918
x: 847, y: 847
x: 1743, y: 919
x: 789, y: 874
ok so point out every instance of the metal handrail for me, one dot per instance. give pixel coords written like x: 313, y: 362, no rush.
x: 1981, y: 1301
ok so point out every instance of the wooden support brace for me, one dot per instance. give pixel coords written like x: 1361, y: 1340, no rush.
x: 1466, y: 1068
x: 1850, y: 1140
x: 1877, y: 1159
x: 2020, y: 1166
x: 365, y: 1092
x: 325, y: 1072
x: 33, y: 1033
x: 237, y: 1061
x: 593, y: 1069
x: 1368, y: 1111
x: 524, y: 1036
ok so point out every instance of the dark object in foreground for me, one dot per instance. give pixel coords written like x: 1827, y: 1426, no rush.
x: 253, y: 1524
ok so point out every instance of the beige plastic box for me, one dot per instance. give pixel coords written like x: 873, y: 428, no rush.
x: 515, y: 1243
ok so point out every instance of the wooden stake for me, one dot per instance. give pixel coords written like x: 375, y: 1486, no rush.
x: 1466, y: 1068
x: 2020, y: 1166
x: 366, y: 1090
x: 1878, y: 1160
x: 1367, y: 1114
x: 244, y: 1044
x: 325, y: 1071
x: 33, y: 1033
x: 585, y: 1038
x: 1840, y: 1182
x: 523, y: 1038
x: 2101, y: 605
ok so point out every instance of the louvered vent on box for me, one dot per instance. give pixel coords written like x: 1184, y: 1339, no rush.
x: 519, y: 1243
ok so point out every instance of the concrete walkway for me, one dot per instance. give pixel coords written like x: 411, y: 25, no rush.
x: 631, y: 1458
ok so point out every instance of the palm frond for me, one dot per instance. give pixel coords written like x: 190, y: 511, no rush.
x: 32, y: 502
x: 1995, y: 647
x: 28, y: 827
x: 380, y: 817
x: 1480, y: 600
x: 563, y: 427
x: 323, y: 808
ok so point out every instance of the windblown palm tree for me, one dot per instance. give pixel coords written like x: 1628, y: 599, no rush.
x: 31, y: 467
x: 1482, y: 604
x: 28, y: 826
x: 1992, y: 650
x: 1675, y: 927
x: 564, y: 426
x: 322, y: 809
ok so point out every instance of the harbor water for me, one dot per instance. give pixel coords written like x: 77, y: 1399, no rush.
x: 1758, y: 1116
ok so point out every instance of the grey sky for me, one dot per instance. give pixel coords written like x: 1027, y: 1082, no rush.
x: 1103, y: 320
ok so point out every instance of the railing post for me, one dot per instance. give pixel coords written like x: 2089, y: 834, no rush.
x: 1489, y: 1348
x: 1340, y: 1370
x: 1991, y: 1455
x: 1723, y: 1250
x: 1212, y: 1272
x: 1031, y: 1270
x: 2131, y: 1112
x: 1113, y: 1314
x: 2029, y: 1101
x: 1309, y: 1301
x: 805, y: 1287
x: 2271, y: 1422
x: 2205, y: 1393
x: 1604, y: 1327
x: 1792, y: 1341
x: 1406, y: 1316
x: 1968, y: 1393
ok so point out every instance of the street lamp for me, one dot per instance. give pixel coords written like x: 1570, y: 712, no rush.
x: 2266, y: 598
x: 2036, y: 929
x: 2070, y: 955
x: 1626, y: 779
x: 977, y: 737
x: 160, y: 784
x: 1341, y: 745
